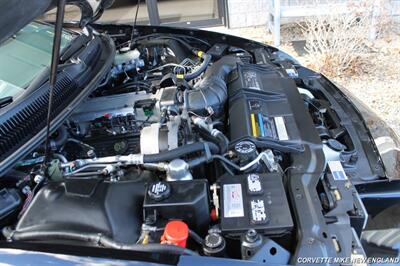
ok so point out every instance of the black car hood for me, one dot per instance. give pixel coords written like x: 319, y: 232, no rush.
x: 16, y: 14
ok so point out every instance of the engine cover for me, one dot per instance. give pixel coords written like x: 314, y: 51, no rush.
x: 113, y: 209
x: 261, y: 103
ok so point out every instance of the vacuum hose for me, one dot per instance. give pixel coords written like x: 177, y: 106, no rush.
x: 206, y: 60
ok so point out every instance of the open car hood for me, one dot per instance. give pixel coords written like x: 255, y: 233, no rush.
x: 16, y: 14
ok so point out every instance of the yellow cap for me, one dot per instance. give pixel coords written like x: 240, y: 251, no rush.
x: 179, y: 76
x: 200, y: 53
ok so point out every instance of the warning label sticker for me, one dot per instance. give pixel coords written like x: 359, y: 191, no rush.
x: 337, y: 170
x: 251, y: 80
x: 233, y: 201
x: 254, y: 183
x: 281, y: 128
x: 258, y: 213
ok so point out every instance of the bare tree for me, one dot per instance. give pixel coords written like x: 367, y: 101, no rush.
x: 336, y: 41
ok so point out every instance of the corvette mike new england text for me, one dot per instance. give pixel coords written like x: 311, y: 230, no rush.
x: 356, y: 260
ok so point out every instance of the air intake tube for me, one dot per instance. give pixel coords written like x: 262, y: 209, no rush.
x: 211, y: 91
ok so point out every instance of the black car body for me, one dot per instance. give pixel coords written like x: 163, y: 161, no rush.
x: 170, y: 143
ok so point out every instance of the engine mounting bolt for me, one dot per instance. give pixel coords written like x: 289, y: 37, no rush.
x: 252, y: 236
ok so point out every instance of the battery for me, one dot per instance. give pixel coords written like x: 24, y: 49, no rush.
x: 254, y: 201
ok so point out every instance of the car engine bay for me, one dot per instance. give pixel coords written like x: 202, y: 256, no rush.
x: 204, y: 148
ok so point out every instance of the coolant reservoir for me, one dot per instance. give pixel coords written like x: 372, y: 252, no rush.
x: 124, y: 57
x: 175, y: 233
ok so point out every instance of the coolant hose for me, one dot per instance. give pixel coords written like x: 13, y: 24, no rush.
x: 94, y: 238
x: 211, y: 91
x: 206, y: 60
x: 59, y: 140
x: 218, y: 138
x: 181, y: 151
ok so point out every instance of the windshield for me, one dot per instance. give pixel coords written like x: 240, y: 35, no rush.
x: 24, y: 56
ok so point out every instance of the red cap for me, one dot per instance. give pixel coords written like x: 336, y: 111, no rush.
x: 214, y: 215
x: 175, y: 233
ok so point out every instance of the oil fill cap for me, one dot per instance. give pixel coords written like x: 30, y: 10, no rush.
x: 159, y: 190
x: 245, y: 147
x: 246, y: 151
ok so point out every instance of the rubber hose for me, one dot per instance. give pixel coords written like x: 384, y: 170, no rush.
x: 60, y: 140
x: 211, y: 91
x: 206, y: 60
x: 198, y: 239
x: 62, y: 137
x: 220, y: 141
x: 223, y: 140
x: 201, y: 160
x: 94, y: 238
x: 180, y: 151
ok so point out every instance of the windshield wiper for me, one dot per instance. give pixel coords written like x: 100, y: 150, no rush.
x: 5, y: 101
x: 76, y: 45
